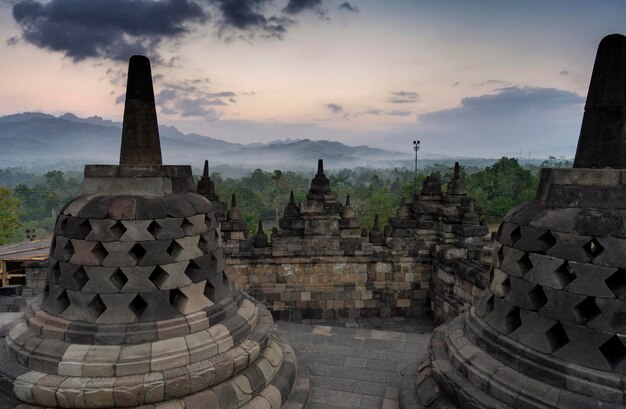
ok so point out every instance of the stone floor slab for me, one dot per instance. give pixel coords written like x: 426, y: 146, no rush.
x: 352, y: 365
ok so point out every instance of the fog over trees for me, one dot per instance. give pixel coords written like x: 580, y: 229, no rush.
x: 32, y: 201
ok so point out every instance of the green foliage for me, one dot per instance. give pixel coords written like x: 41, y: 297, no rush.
x: 263, y: 195
x: 500, y: 187
x: 45, y: 199
x: 41, y: 199
x: 9, y: 215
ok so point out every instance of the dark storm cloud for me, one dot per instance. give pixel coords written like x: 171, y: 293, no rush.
x: 112, y: 29
x: 348, y: 7
x: 247, y: 17
x: 298, y: 6
x: 116, y: 29
x: 403, y: 97
x: 334, y: 108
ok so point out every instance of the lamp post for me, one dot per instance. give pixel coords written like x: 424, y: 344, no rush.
x: 416, y: 148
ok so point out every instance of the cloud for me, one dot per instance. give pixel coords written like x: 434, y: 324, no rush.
x: 490, y: 83
x: 399, y: 113
x: 544, y: 120
x: 117, y: 29
x: 246, y: 18
x: 348, y: 7
x: 298, y: 6
x: 376, y: 111
x: 191, y: 98
x: 373, y: 112
x: 540, y: 119
x: 524, y: 97
x: 403, y: 97
x: 564, y: 72
x: 112, y: 29
x: 334, y: 108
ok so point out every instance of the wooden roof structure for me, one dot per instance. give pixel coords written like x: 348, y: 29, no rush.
x: 18, y: 253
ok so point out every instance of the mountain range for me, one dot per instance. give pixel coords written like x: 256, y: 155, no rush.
x: 29, y: 139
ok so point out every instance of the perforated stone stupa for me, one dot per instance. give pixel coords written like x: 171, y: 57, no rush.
x: 137, y: 310
x: 550, y: 330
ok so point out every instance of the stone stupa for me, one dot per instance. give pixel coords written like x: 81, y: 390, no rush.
x: 137, y: 310
x: 550, y: 329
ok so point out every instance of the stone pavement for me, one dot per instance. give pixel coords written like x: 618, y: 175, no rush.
x: 353, y: 366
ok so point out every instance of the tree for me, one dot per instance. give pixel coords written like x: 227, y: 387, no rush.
x: 9, y: 215
x: 500, y: 187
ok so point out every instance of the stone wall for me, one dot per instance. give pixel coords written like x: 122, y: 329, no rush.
x: 335, y: 286
x: 430, y: 258
x: 457, y: 282
x: 322, y: 264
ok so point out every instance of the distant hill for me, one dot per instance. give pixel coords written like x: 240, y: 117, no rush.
x: 39, y: 138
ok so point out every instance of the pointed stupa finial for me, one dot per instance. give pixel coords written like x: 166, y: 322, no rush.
x: 205, y: 186
x: 320, y: 185
x: 347, y: 212
x: 457, y: 170
x: 292, y: 201
x: 140, y: 130
x: 260, y: 238
x: 376, y: 224
x: 456, y: 186
x: 233, y: 213
x: 602, y: 141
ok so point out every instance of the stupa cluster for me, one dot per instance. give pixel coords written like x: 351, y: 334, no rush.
x: 138, y: 309
x: 320, y: 263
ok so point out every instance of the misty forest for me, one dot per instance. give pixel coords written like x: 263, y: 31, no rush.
x: 32, y: 201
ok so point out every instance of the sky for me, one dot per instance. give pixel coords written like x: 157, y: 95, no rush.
x: 467, y: 78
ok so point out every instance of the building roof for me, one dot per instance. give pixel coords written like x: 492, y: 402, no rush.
x: 36, y: 250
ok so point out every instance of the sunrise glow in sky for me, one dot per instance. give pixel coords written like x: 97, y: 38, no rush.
x: 475, y: 78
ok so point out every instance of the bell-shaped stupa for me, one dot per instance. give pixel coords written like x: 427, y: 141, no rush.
x: 550, y: 330
x: 138, y: 310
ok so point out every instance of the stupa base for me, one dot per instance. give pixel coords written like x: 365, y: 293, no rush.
x: 259, y: 372
x: 471, y: 366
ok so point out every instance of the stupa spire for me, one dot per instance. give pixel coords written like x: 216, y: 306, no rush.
x: 140, y: 131
x: 320, y: 167
x: 602, y: 141
x: 320, y: 185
